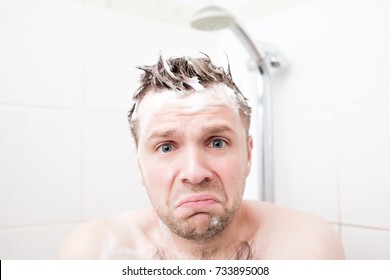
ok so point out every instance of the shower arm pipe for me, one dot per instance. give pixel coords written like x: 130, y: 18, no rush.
x: 266, y: 176
x: 250, y: 46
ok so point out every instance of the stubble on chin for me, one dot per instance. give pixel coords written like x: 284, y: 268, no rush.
x: 206, y: 228
x: 200, y: 229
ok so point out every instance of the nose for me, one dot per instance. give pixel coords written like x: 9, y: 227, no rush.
x: 195, y: 168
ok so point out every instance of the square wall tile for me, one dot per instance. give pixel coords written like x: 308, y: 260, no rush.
x: 118, y: 42
x: 361, y: 60
x: 33, y: 243
x: 305, y: 162
x: 111, y: 176
x: 41, y: 52
x: 110, y: 46
x: 366, y: 244
x: 40, y: 166
x: 302, y: 34
x: 364, y: 159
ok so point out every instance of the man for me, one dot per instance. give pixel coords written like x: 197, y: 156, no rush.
x: 191, y: 124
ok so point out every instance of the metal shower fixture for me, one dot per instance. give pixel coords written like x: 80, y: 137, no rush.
x: 266, y: 61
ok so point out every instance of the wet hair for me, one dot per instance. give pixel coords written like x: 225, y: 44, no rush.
x: 183, y: 75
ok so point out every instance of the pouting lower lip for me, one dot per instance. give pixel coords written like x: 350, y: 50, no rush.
x: 199, y: 199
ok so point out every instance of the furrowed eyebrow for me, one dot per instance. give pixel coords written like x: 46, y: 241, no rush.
x: 171, y: 133
x: 218, y: 129
x: 162, y: 134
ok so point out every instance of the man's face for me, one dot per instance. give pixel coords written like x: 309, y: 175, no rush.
x: 194, y: 157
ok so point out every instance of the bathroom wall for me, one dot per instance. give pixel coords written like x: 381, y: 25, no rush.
x: 67, y: 75
x: 332, y: 117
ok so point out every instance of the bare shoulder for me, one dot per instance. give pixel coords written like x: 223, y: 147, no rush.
x: 120, y: 236
x: 292, y: 234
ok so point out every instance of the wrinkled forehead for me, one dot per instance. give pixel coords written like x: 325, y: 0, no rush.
x: 191, y: 101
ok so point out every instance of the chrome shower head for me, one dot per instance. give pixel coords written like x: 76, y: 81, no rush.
x: 212, y: 18
x: 215, y: 18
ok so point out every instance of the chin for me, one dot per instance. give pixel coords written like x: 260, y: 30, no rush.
x: 201, y: 227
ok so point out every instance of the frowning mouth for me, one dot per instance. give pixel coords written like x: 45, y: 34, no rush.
x: 198, y: 201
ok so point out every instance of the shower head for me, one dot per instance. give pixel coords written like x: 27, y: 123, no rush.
x: 215, y: 18
x: 212, y: 18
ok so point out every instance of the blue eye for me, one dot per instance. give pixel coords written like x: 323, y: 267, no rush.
x: 218, y: 143
x: 166, y: 148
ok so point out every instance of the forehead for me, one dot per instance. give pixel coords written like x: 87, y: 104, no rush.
x: 214, y: 95
x: 156, y: 109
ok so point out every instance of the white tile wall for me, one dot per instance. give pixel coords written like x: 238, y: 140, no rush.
x: 305, y: 162
x: 40, y: 166
x: 364, y: 154
x: 117, y: 43
x: 41, y: 52
x: 111, y: 44
x: 303, y: 36
x: 361, y: 64
x: 366, y: 244
x: 110, y: 171
x: 338, y: 61
x: 33, y: 243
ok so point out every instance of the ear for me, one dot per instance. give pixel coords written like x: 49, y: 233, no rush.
x: 134, y: 148
x: 139, y: 169
x: 140, y: 174
x: 249, y: 153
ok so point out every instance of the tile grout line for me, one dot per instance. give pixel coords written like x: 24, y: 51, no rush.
x: 38, y: 106
x: 365, y: 227
x: 41, y: 225
x: 83, y: 119
x: 337, y: 162
x: 335, y: 122
x: 330, y: 106
x: 61, y: 108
